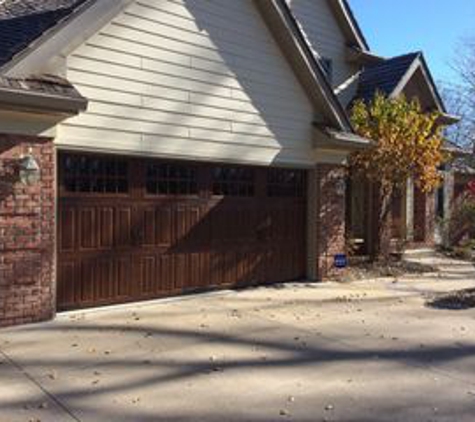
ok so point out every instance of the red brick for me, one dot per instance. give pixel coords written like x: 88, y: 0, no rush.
x: 27, y: 230
x: 331, y: 209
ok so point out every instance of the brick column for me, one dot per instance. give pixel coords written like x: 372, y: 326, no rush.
x: 27, y: 234
x: 424, y: 218
x: 330, y: 215
x: 431, y: 218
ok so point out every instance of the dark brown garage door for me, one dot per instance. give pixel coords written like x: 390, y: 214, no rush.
x: 133, y: 229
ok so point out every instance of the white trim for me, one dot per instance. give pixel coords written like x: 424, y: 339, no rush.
x: 415, y: 66
x: 346, y: 84
x: 351, y: 26
x: 329, y: 102
x: 329, y: 156
x: 432, y: 88
x: 62, y: 40
x: 406, y: 78
x: 276, y: 161
x: 28, y: 124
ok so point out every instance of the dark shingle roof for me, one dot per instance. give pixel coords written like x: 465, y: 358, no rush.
x: 384, y: 76
x: 46, y: 84
x: 23, y: 21
x: 45, y: 93
x: 464, y: 165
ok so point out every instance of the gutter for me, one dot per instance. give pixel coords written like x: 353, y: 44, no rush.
x: 340, y: 140
x: 41, y: 102
x: 447, y: 119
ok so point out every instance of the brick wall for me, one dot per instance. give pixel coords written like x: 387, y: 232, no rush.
x: 424, y: 218
x: 27, y: 231
x: 331, y: 216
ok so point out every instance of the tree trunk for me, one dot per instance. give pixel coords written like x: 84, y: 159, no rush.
x: 380, y: 224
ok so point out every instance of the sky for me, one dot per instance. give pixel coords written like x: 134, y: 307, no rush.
x: 437, y: 27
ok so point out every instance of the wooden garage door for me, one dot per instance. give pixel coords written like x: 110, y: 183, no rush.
x: 133, y: 229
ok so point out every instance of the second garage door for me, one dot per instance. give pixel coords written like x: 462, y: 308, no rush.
x: 133, y: 229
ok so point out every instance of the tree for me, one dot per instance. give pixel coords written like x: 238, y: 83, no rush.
x: 459, y: 96
x: 457, y: 101
x: 407, y: 143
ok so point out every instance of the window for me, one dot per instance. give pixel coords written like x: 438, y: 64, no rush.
x: 89, y: 174
x: 327, y: 65
x: 233, y: 181
x: 283, y: 183
x: 171, y: 179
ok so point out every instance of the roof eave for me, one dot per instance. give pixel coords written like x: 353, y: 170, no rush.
x: 420, y: 62
x: 447, y: 119
x: 362, y: 57
x: 41, y: 103
x: 344, y: 141
x: 18, y: 57
x: 343, y: 12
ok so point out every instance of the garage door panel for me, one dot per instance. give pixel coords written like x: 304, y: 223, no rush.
x: 123, y: 227
x: 67, y: 230
x: 65, y: 292
x: 148, y: 275
x: 88, y: 228
x: 155, y: 228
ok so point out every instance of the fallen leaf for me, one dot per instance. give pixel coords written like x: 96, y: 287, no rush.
x: 284, y: 412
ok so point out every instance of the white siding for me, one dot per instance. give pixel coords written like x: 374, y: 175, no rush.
x: 326, y: 37
x: 190, y: 79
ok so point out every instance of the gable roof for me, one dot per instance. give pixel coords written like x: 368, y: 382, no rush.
x: 22, y: 22
x: 392, y: 76
x: 281, y: 21
x: 27, y: 26
x: 343, y: 11
x: 384, y: 76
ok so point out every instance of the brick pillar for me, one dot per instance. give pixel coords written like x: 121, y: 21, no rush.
x: 330, y: 215
x: 424, y: 218
x: 27, y: 234
x: 431, y: 213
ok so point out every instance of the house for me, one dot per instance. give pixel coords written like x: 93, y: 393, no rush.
x: 463, y: 173
x: 157, y: 147
x: 414, y: 213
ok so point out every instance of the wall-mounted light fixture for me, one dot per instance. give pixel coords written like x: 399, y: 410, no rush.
x: 29, y: 169
x: 340, y: 187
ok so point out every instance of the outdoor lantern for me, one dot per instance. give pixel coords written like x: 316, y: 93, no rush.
x: 340, y: 187
x: 29, y: 169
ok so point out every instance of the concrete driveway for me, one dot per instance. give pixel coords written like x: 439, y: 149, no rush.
x: 369, y: 351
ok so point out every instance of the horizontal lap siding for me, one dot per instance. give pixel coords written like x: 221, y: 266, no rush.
x: 189, y: 79
x: 323, y: 31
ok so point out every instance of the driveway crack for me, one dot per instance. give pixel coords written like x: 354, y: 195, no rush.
x: 32, y: 379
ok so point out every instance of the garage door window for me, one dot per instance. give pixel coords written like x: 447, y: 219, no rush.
x: 171, y: 179
x: 283, y: 183
x: 233, y: 181
x: 87, y: 174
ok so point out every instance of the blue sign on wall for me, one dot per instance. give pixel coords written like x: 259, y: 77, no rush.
x: 341, y: 261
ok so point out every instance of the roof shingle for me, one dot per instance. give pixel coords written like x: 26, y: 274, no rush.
x: 384, y: 76
x: 23, y: 21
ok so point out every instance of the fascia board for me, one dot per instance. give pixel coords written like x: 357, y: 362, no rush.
x: 64, y: 38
